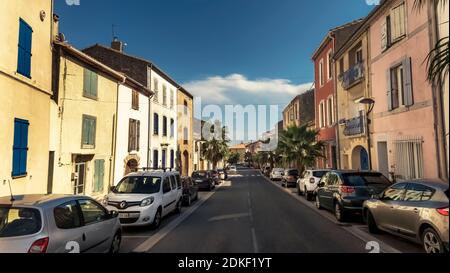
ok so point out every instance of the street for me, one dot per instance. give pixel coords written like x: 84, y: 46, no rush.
x: 249, y: 214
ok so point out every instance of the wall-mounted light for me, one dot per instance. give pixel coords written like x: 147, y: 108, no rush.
x: 42, y: 15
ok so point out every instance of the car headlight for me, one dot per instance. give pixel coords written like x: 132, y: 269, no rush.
x: 147, y: 201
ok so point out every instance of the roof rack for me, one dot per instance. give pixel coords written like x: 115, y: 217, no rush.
x: 157, y: 169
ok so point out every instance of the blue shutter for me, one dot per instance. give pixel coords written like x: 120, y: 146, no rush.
x: 24, y: 52
x: 20, y: 147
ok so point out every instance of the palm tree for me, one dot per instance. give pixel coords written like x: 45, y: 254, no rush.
x: 299, y: 146
x: 215, y: 149
x: 438, y: 58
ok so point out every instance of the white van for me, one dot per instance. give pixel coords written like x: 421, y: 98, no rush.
x: 144, y: 198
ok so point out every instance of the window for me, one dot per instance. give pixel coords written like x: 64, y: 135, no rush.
x: 185, y: 136
x: 156, y: 90
x: 67, y: 216
x: 341, y: 66
x: 155, y: 159
x: 166, y: 185
x: 24, y: 54
x: 92, y: 212
x: 134, y: 132
x: 400, y: 85
x: 321, y: 73
x: 173, y: 183
x: 99, y: 175
x: 330, y: 65
x: 164, y: 158
x: 185, y: 109
x: 165, y: 126
x: 359, y: 56
x: 172, y: 127
x: 164, y: 95
x: 322, y: 114
x: 155, y: 124
x: 135, y: 100
x: 88, y: 132
x: 417, y: 192
x: 172, y: 98
x: 15, y: 222
x: 172, y: 159
x: 330, y: 111
x: 395, y: 193
x: 409, y: 159
x: 394, y: 28
x: 90, y: 84
x: 20, y: 147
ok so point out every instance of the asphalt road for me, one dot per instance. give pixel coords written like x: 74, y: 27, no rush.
x: 250, y: 214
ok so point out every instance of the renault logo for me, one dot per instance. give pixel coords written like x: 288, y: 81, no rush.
x: 123, y: 205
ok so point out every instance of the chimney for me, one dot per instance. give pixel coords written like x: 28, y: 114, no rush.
x: 117, y: 45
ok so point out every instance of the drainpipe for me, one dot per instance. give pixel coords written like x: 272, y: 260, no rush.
x: 112, y: 161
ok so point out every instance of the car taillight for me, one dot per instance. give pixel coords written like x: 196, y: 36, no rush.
x: 443, y: 211
x: 312, y: 180
x: 40, y: 246
x: 346, y: 189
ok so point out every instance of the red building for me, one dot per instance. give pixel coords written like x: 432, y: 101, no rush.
x: 325, y: 96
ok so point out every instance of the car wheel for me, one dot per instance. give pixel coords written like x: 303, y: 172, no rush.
x: 157, y: 221
x: 318, y: 205
x: 339, y: 212
x: 299, y: 192
x: 371, y: 224
x: 432, y: 243
x: 115, y: 244
x: 307, y: 195
x: 178, y: 207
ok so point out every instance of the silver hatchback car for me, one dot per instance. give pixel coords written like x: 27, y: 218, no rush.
x: 57, y: 224
x: 414, y: 210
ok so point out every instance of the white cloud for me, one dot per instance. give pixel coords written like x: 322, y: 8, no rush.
x: 237, y: 89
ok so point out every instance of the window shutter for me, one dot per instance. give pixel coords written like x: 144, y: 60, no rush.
x: 86, y: 82
x: 138, y: 134
x: 384, y: 40
x: 389, y: 89
x: 94, y: 84
x: 24, y: 49
x: 96, y: 175
x: 20, y: 147
x: 408, y: 88
x: 23, y: 147
x: 130, y: 135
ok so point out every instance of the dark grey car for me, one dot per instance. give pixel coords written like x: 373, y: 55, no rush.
x: 344, y: 192
x: 414, y: 210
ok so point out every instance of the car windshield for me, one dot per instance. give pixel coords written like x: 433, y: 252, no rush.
x: 365, y: 179
x: 199, y: 175
x: 16, y: 222
x: 319, y: 174
x: 278, y: 170
x: 293, y: 172
x: 139, y: 185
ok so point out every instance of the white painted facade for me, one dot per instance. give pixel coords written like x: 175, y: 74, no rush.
x: 164, y: 104
x: 125, y: 112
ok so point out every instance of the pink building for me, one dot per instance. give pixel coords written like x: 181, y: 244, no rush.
x: 404, y: 139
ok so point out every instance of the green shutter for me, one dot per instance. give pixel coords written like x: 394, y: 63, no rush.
x: 86, y: 82
x: 85, y: 131
x: 94, y: 84
x: 92, y: 131
x: 99, y: 175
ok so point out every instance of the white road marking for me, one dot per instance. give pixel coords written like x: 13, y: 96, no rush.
x: 255, y: 242
x: 354, y: 230
x: 228, y: 217
x: 153, y: 240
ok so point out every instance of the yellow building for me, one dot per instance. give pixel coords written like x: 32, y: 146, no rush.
x: 352, y: 70
x: 185, y: 131
x: 25, y: 84
x: 85, y: 124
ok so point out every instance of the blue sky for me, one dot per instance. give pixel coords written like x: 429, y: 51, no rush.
x: 226, y: 51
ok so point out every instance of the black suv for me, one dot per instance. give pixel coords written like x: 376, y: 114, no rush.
x: 204, y: 180
x: 344, y: 192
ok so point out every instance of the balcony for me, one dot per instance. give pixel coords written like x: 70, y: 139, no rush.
x: 352, y: 76
x: 355, y: 126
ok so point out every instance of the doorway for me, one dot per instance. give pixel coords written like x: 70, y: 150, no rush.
x: 80, y: 178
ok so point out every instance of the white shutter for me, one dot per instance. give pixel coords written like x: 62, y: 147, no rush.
x: 384, y: 38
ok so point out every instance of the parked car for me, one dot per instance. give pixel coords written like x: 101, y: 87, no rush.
x: 216, y: 177
x: 344, y: 192
x: 233, y: 169
x: 144, y: 198
x: 223, y: 174
x: 57, y: 224
x: 190, y: 190
x: 307, y: 184
x: 267, y: 170
x: 414, y: 210
x: 277, y: 174
x: 204, y: 180
x: 290, y: 177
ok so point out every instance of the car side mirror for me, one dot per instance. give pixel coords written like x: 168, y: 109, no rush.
x: 113, y: 214
x: 112, y: 188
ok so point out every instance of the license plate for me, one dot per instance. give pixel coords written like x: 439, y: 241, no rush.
x: 128, y: 215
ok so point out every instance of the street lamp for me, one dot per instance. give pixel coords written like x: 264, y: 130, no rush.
x: 371, y: 104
